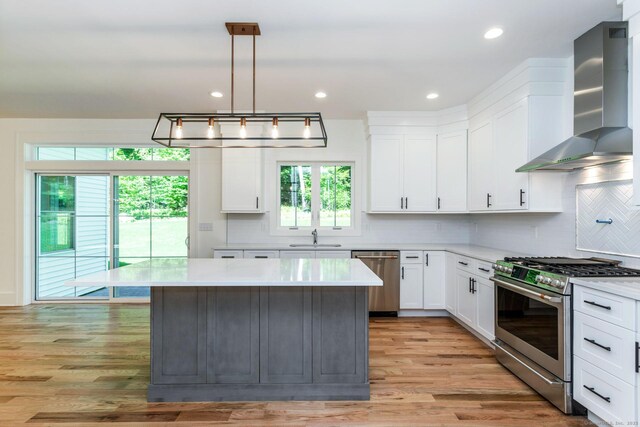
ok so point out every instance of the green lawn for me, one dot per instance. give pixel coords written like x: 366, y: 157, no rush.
x: 155, y: 237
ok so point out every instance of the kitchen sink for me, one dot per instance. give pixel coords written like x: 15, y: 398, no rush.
x: 304, y: 245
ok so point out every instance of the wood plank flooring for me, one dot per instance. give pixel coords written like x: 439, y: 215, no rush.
x: 88, y: 365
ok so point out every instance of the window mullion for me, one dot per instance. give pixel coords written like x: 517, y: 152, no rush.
x: 315, y: 195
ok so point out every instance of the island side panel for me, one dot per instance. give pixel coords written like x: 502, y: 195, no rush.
x: 340, y: 335
x: 285, y: 335
x: 178, y: 340
x: 233, y: 335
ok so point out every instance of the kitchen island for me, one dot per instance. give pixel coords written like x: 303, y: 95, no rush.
x: 254, y: 329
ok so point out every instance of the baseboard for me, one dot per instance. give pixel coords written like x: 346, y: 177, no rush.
x: 8, y: 299
x: 474, y: 332
x: 255, y: 392
x: 423, y: 313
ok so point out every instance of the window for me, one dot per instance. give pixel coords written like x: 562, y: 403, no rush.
x: 112, y: 153
x: 315, y: 195
x: 57, y: 213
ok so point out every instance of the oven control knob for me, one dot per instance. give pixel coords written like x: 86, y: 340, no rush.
x: 557, y: 283
x: 539, y: 278
x: 548, y: 280
x: 508, y: 270
x: 494, y: 266
x: 499, y: 268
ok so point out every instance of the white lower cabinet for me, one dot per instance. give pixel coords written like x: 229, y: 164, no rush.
x: 605, y: 355
x: 297, y: 254
x: 227, y: 254
x: 450, y: 285
x: 475, y: 296
x: 333, y: 254
x: 433, y: 280
x: 262, y: 254
x: 411, y: 286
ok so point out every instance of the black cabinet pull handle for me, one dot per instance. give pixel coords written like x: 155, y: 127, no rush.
x: 412, y: 257
x: 401, y: 202
x: 261, y: 256
x: 257, y: 199
x: 521, y: 197
x: 438, y: 203
x: 606, y: 307
x: 637, y: 357
x: 593, y: 390
x: 406, y: 203
x: 473, y: 286
x: 402, y: 271
x: 463, y: 263
x: 594, y: 342
x: 488, y: 200
x: 469, y: 284
x: 227, y: 256
x: 486, y: 270
x: 426, y: 262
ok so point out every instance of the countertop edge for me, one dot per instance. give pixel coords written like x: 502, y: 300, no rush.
x: 622, y: 287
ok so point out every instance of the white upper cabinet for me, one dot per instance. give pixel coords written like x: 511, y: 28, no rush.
x: 402, y: 171
x: 451, y: 169
x: 385, y: 171
x: 242, y: 180
x: 481, y: 169
x: 419, y: 173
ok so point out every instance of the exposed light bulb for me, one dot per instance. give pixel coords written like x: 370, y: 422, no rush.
x: 243, y: 127
x: 307, y: 128
x: 274, y: 130
x: 210, y: 132
x: 179, y: 129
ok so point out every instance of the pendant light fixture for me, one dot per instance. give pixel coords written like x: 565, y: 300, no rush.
x: 240, y: 130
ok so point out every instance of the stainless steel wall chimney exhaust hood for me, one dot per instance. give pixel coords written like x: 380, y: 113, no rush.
x: 599, y: 103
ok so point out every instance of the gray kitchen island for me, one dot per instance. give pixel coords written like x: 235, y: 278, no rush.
x: 254, y: 329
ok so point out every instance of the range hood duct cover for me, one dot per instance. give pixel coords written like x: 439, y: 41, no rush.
x: 600, y: 104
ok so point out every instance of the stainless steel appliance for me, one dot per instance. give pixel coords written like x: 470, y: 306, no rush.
x: 386, y: 265
x: 602, y: 134
x: 533, y: 325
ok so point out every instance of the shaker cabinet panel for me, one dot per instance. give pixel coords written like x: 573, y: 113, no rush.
x: 419, y: 172
x: 242, y: 180
x: 411, y: 287
x: 481, y: 167
x: 434, y: 280
x: 385, y: 171
x: 451, y: 167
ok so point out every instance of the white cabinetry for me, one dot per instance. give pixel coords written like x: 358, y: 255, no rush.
x: 605, y: 356
x: 297, y: 254
x: 411, y: 281
x: 315, y: 254
x: 242, y: 187
x: 502, y: 141
x: 402, y: 170
x: 333, y: 254
x: 451, y: 169
x: 451, y: 289
x: 434, y: 280
x: 474, y: 295
x: 261, y: 254
x: 227, y: 254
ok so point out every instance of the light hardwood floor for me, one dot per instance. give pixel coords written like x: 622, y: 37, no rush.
x: 89, y: 364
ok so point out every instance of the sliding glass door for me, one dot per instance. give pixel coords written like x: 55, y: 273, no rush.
x: 88, y: 223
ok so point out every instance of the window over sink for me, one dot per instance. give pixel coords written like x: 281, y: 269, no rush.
x: 315, y: 195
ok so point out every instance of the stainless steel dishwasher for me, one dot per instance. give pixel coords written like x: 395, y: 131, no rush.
x: 386, y: 265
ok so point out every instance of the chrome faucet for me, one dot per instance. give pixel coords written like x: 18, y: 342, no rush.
x: 314, y: 233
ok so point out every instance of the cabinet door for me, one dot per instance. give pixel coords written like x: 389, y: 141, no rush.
x: 486, y: 307
x: 451, y: 288
x: 227, y: 254
x: 297, y: 254
x: 481, y: 167
x: 242, y: 180
x: 452, y: 172
x: 411, y: 286
x: 510, y: 144
x: 261, y: 254
x: 385, y: 166
x: 285, y: 334
x: 434, y: 280
x: 466, y: 299
x: 419, y: 172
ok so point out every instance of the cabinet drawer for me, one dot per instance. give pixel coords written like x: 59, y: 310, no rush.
x: 261, y: 254
x: 227, y: 254
x: 610, y: 347
x: 603, y: 394
x: 411, y: 257
x: 466, y: 264
x: 483, y: 269
x: 602, y: 305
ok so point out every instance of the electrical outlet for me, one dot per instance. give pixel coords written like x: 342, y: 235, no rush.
x: 205, y: 226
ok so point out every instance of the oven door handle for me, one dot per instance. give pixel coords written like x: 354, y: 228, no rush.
x: 542, y: 377
x: 526, y: 292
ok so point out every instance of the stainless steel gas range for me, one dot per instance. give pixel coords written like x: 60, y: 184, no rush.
x: 533, y: 322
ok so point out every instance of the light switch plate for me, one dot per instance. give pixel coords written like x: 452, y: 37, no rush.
x: 205, y: 226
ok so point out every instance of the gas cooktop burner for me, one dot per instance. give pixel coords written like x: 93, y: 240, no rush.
x: 576, y: 267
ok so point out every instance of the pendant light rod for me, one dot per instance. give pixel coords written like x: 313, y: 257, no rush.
x: 254, y: 70
x: 232, y: 82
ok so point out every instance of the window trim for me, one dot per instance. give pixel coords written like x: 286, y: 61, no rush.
x: 278, y: 230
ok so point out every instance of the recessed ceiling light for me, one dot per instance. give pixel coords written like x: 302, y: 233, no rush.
x: 432, y: 95
x: 321, y: 95
x: 216, y: 94
x: 493, y: 33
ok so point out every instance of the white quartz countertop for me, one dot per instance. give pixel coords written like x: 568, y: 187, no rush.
x: 235, y: 272
x: 624, y: 286
x: 479, y: 252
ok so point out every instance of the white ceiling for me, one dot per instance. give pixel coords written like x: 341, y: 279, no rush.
x: 137, y: 58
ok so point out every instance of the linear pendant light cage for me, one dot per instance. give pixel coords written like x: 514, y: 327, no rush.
x: 224, y: 130
x: 240, y: 130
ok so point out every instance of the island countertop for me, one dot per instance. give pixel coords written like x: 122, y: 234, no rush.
x: 235, y: 272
